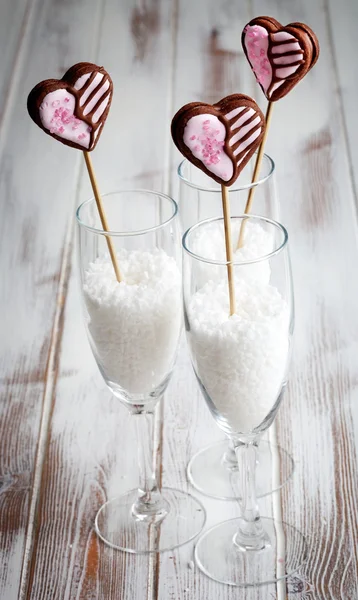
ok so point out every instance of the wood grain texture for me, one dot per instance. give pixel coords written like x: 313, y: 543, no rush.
x: 342, y: 27
x: 35, y: 212
x: 91, y: 455
x: 14, y: 21
x: 209, y: 65
x: 65, y: 443
x: 317, y: 422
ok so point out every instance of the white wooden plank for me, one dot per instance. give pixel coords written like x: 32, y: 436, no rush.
x: 92, y: 447
x: 316, y: 420
x: 209, y: 65
x: 33, y: 233
x: 342, y: 21
x: 14, y: 17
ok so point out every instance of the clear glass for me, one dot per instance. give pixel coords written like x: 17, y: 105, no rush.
x: 213, y: 470
x: 241, y: 363
x: 134, y: 328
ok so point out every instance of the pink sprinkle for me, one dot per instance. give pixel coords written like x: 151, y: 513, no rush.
x: 55, y: 103
x: 67, y: 99
x: 197, y: 148
x: 207, y: 122
x: 61, y: 129
x: 192, y: 137
x: 262, y: 52
x: 53, y: 130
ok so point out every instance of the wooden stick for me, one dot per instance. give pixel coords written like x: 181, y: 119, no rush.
x: 256, y: 173
x: 102, y: 214
x: 228, y: 244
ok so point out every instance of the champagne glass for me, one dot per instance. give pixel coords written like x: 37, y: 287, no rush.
x: 213, y: 470
x: 134, y: 328
x: 241, y: 363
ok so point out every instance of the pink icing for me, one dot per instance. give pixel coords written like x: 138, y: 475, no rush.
x: 205, y: 136
x: 283, y: 48
x: 287, y: 60
x: 256, y: 44
x: 57, y: 115
x: 282, y: 36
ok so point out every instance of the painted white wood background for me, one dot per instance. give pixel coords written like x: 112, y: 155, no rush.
x: 60, y: 452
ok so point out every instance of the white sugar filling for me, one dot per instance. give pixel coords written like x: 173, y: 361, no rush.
x: 209, y: 243
x: 242, y: 360
x: 134, y: 325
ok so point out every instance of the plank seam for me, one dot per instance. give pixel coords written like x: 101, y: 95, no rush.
x: 340, y: 101
x: 154, y: 559
x: 21, y: 53
x: 51, y: 375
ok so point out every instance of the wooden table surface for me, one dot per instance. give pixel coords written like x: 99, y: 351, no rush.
x: 65, y: 443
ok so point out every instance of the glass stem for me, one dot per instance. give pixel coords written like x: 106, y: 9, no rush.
x: 251, y: 534
x: 150, y: 503
x: 229, y: 459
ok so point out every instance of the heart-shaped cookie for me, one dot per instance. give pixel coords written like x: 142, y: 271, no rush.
x: 73, y: 109
x: 219, y: 138
x: 280, y: 56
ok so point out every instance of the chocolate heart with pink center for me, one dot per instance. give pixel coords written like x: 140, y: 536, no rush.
x: 280, y: 56
x: 73, y: 109
x: 219, y: 138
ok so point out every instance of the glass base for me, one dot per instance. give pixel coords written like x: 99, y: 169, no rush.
x: 117, y: 527
x: 285, y: 551
x: 211, y: 474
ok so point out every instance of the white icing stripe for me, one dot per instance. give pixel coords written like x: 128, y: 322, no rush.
x: 288, y: 60
x: 284, y: 48
x: 281, y: 36
x: 96, y: 81
x: 81, y: 81
x: 97, y: 131
x: 96, y: 98
x: 100, y: 110
x: 244, y: 131
x: 275, y: 86
x: 243, y: 119
x: 241, y: 159
x: 286, y: 72
x: 234, y: 112
x: 248, y: 142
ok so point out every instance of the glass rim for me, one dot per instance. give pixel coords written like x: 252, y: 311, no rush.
x: 113, y: 233
x: 246, y: 186
x: 241, y: 262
